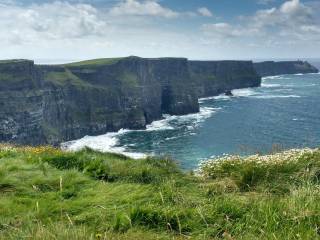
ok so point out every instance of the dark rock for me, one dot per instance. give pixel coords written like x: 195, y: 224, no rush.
x: 217, y: 77
x: 228, y: 93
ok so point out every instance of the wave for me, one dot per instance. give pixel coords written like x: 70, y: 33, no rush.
x: 244, y: 92
x: 104, y: 143
x: 219, y: 97
x: 203, y: 114
x: 272, y: 77
x: 276, y: 96
x: 109, y: 142
x: 158, y: 125
x: 270, y: 85
x: 283, y: 90
x: 308, y: 85
x: 253, y: 93
x: 299, y: 86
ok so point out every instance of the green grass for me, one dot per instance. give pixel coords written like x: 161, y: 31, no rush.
x: 65, y: 77
x: 94, y: 62
x: 46, y: 193
x: 12, y: 61
x: 12, y: 78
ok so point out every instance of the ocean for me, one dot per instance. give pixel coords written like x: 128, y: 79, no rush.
x: 283, y: 113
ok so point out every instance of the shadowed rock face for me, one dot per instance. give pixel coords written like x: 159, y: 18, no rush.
x: 51, y: 104
x: 216, y: 77
x: 271, y: 68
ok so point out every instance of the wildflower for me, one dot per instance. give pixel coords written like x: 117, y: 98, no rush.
x: 210, y: 167
x: 98, y: 235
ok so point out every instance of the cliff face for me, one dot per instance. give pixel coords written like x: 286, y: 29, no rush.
x: 216, y: 77
x: 20, y: 102
x: 42, y: 104
x: 271, y: 68
x: 50, y: 104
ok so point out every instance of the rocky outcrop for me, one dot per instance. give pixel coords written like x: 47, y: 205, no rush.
x: 271, y: 68
x: 51, y: 104
x: 216, y: 77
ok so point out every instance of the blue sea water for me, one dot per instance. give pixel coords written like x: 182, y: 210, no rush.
x: 283, y: 113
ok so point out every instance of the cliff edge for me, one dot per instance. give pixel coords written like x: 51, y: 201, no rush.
x: 271, y: 68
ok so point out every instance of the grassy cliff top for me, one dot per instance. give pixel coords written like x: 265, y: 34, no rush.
x: 108, y: 61
x: 65, y: 77
x: 94, y: 62
x: 46, y: 193
x: 14, y: 61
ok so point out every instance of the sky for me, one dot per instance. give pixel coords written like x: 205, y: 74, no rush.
x: 196, y: 29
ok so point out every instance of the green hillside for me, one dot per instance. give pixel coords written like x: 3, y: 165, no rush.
x: 46, y: 193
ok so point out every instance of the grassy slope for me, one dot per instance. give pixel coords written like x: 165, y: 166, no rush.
x: 49, y: 194
x: 93, y: 62
x: 65, y: 77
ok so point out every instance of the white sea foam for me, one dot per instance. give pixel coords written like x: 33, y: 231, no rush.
x: 171, y: 138
x: 244, y: 92
x: 203, y: 114
x: 272, y: 77
x: 162, y: 124
x: 270, y: 85
x: 276, y: 96
x: 283, y: 90
x: 109, y: 142
x: 104, y: 143
x: 171, y: 121
x: 219, y: 97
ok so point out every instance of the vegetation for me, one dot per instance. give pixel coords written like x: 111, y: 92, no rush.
x: 94, y: 62
x: 46, y: 193
x: 12, y: 61
x: 65, y: 77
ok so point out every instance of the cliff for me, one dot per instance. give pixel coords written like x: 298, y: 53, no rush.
x: 216, y: 77
x: 50, y: 104
x: 271, y: 68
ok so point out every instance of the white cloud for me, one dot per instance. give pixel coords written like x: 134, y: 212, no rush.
x: 292, y: 19
x: 146, y: 8
x: 292, y: 6
x: 71, y: 29
x: 290, y: 30
x: 205, y: 12
x: 221, y: 30
x: 60, y: 30
x: 57, y: 20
